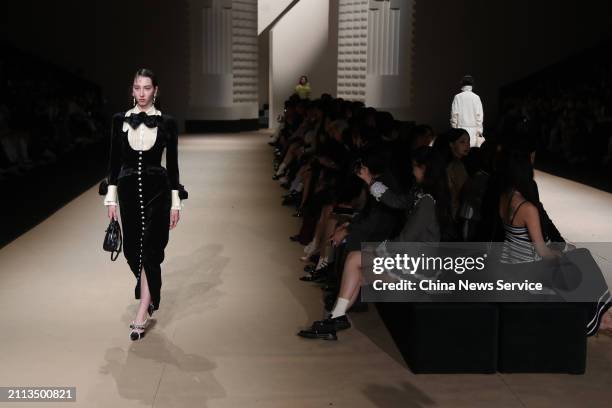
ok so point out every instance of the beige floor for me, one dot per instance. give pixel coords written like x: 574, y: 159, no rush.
x: 231, y: 304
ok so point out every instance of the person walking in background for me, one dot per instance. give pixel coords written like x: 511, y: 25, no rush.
x: 467, y: 113
x: 302, y: 89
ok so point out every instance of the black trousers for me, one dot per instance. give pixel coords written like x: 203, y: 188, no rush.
x: 145, y: 202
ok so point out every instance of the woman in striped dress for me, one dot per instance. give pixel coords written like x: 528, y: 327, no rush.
x: 523, y: 238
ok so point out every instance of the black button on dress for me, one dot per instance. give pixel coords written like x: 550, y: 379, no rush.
x: 144, y: 192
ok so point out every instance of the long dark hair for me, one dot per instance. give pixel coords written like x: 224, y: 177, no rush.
x: 145, y: 72
x: 442, y: 142
x: 435, y: 183
x: 516, y: 173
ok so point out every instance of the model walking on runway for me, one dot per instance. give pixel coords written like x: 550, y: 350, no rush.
x: 146, y: 192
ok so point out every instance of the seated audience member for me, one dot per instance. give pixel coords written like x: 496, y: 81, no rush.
x: 422, y: 135
x: 520, y: 137
x: 470, y: 212
x: 518, y: 210
x: 348, y: 200
x: 454, y: 145
x: 376, y: 221
x: 523, y: 238
x: 424, y: 208
x: 320, y: 176
x: 303, y: 140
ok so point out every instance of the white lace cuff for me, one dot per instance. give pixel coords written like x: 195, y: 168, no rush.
x: 377, y: 189
x: 176, y: 201
x: 111, y: 195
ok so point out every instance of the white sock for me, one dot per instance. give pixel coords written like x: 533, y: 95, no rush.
x: 340, y: 308
x: 321, y: 264
x: 311, y: 247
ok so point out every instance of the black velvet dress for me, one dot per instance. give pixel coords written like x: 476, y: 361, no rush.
x: 144, y: 192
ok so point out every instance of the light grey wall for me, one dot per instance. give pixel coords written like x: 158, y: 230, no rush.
x: 268, y: 10
x: 303, y: 41
x: 263, y: 43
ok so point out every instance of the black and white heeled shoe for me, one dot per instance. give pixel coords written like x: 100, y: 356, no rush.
x: 138, y: 330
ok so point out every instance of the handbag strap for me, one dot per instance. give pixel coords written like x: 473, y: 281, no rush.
x: 120, y: 239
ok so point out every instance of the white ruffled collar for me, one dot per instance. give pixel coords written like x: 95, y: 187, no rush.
x: 136, y: 109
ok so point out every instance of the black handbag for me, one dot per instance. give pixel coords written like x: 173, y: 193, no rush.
x: 113, y: 240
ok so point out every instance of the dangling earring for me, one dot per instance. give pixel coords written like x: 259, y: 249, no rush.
x: 134, y: 99
x: 154, y: 99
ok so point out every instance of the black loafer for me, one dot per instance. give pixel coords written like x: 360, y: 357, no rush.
x: 320, y: 278
x: 313, y: 277
x: 291, y: 200
x: 321, y: 329
x: 341, y: 322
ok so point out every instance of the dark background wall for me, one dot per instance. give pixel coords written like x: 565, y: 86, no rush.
x: 497, y: 42
x: 107, y: 41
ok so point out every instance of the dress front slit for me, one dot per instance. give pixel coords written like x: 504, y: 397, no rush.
x: 145, y: 201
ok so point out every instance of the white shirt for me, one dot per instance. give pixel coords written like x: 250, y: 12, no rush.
x: 142, y: 138
x: 466, y: 110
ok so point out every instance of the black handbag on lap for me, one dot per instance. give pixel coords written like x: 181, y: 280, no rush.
x: 113, y: 239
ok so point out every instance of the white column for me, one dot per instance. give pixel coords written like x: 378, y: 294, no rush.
x: 353, y: 34
x: 244, y: 52
x: 223, y: 63
x: 300, y: 44
x: 374, y: 53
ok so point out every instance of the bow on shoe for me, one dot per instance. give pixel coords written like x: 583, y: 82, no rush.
x: 135, y: 119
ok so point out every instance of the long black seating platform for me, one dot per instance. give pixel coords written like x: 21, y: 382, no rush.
x: 488, y: 337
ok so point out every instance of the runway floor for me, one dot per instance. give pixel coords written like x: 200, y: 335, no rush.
x: 231, y: 304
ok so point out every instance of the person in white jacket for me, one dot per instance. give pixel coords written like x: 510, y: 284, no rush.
x: 466, y: 112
